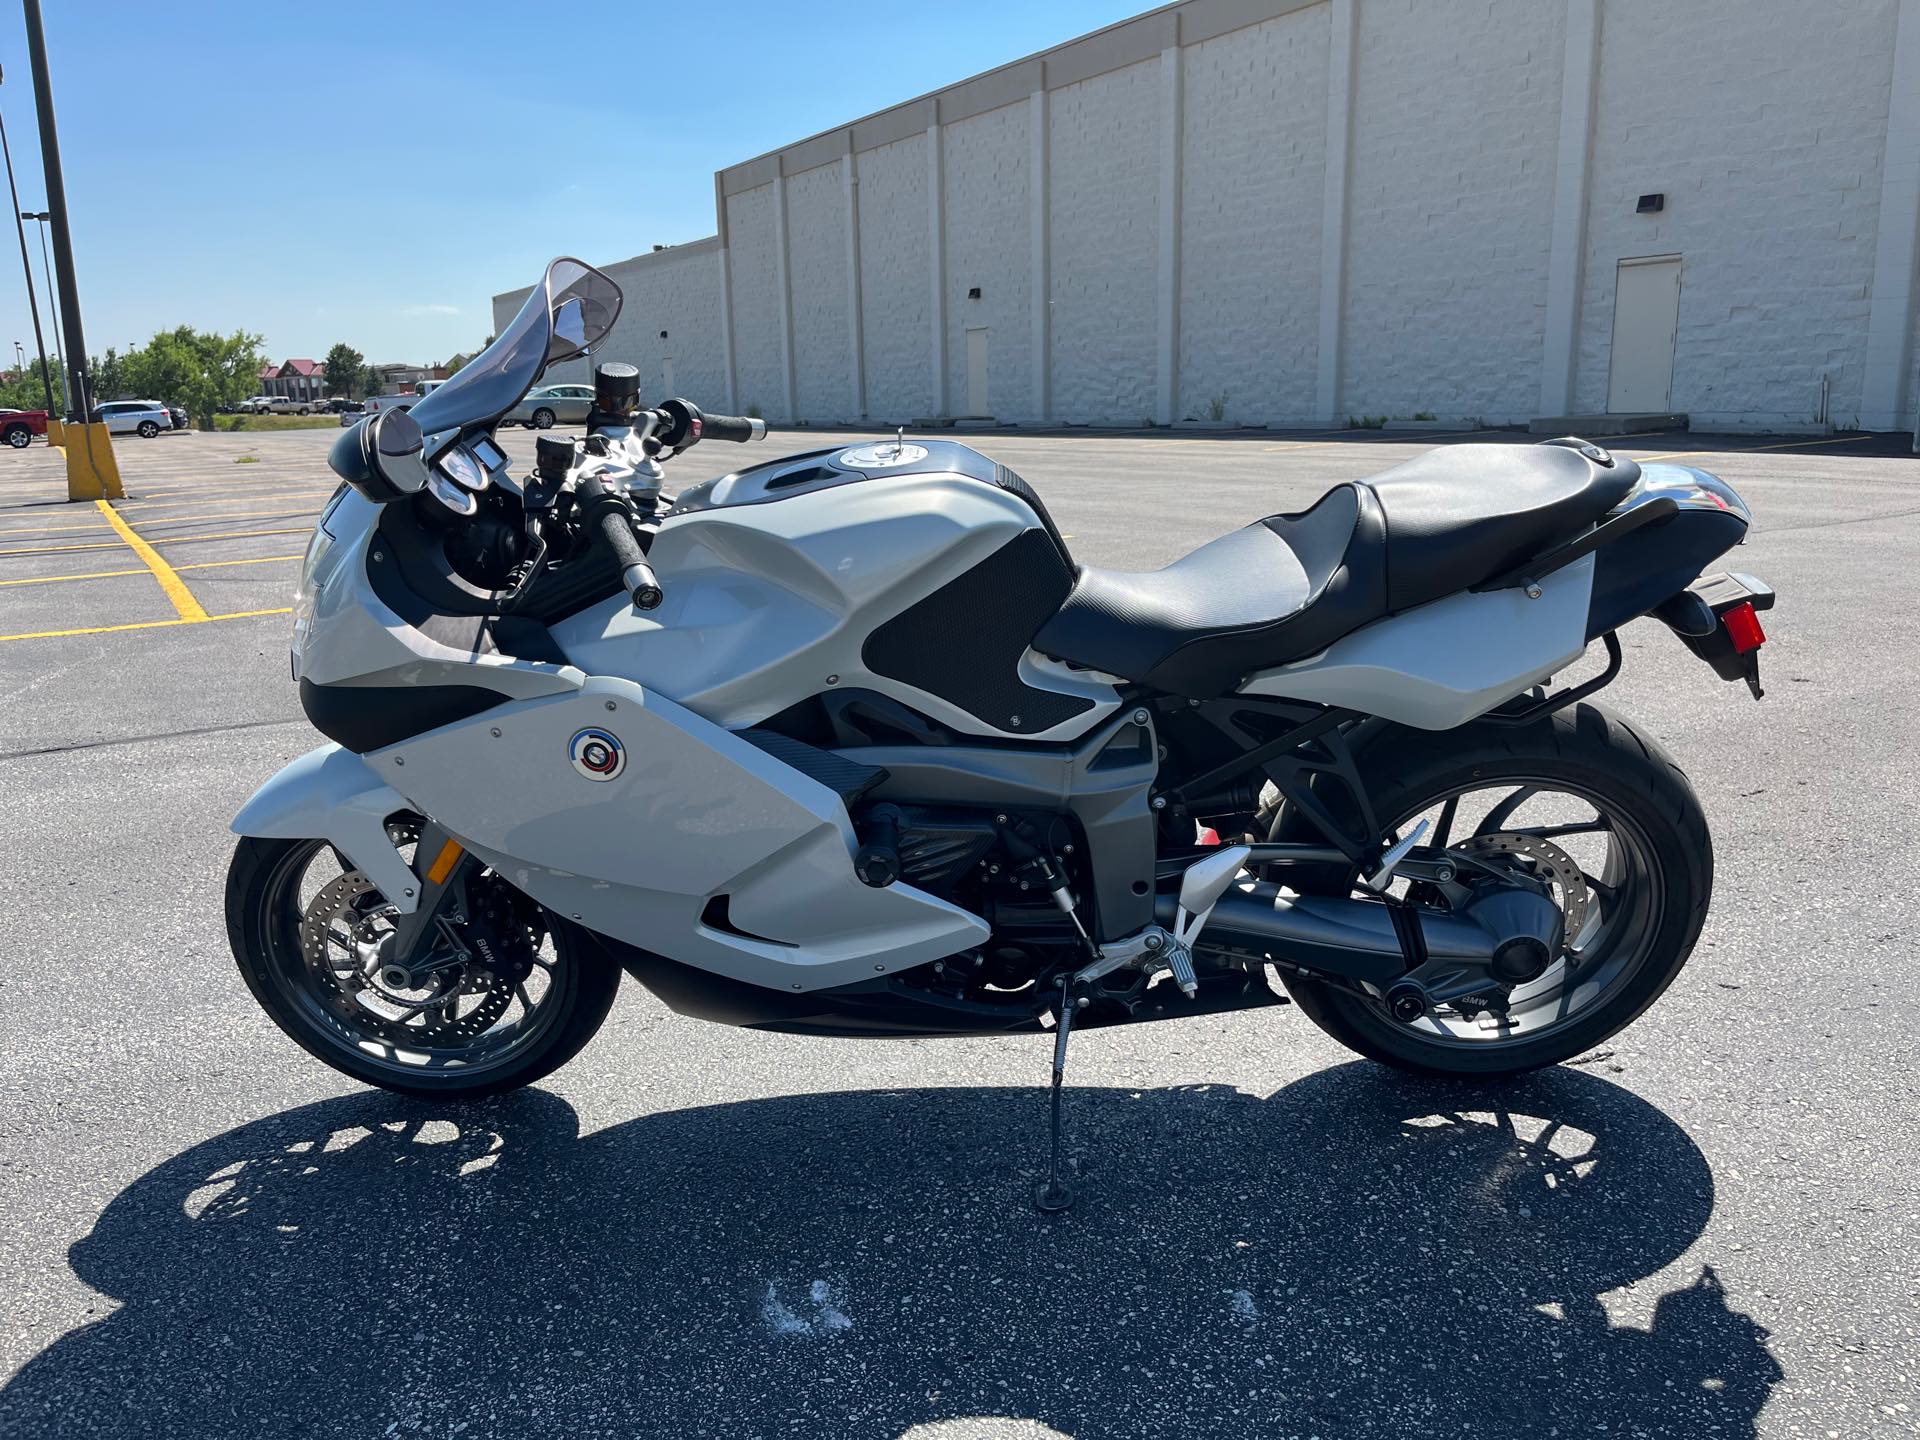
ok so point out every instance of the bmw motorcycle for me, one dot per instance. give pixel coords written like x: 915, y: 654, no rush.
x: 848, y: 743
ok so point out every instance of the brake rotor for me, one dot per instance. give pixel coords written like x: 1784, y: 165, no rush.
x: 345, y: 934
x: 1552, y: 863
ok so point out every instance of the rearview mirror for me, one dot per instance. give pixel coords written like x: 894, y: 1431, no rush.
x: 569, y: 329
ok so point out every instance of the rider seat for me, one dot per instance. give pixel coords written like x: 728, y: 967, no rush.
x: 1288, y: 586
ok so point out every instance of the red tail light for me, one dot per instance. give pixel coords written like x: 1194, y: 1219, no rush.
x: 1743, y: 628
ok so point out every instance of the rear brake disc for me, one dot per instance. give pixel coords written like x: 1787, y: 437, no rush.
x: 1552, y: 863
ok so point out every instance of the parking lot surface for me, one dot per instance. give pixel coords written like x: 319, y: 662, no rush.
x: 1707, y: 1228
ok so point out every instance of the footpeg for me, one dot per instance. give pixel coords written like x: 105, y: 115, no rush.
x: 1389, y: 862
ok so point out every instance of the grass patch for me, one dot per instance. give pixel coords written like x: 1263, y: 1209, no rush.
x: 246, y: 459
x: 228, y: 423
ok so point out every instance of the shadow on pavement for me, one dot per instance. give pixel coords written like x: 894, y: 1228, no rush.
x: 1359, y: 1254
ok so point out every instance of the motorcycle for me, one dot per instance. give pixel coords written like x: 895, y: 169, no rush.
x: 847, y: 743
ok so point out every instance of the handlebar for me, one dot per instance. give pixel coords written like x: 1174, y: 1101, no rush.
x: 608, y: 513
x: 682, y: 424
x: 741, y: 428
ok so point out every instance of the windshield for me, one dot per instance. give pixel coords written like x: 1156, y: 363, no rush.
x: 570, y: 310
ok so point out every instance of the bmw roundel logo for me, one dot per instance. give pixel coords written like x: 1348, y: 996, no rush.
x: 597, y: 754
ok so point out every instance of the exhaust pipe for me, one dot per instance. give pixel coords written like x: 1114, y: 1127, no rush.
x: 1354, y: 939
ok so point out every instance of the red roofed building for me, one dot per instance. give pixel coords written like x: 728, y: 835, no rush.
x: 295, y: 379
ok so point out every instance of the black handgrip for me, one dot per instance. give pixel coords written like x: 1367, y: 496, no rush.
x: 616, y: 528
x: 732, y: 427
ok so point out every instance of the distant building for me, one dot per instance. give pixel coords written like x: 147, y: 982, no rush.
x: 400, y: 379
x: 1296, y: 211
x: 295, y: 379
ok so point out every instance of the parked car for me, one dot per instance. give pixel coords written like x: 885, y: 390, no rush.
x: 339, y: 405
x: 549, y: 405
x: 18, y: 427
x: 145, y: 418
x: 287, y: 405
x: 179, y: 416
x: 255, y: 404
x: 377, y: 403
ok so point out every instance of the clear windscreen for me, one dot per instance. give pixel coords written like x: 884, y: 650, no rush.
x: 569, y: 311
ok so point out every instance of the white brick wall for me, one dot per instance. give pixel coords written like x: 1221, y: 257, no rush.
x: 817, y: 240
x: 1763, y: 121
x: 1455, y: 127
x: 989, y: 245
x: 894, y: 287
x: 675, y: 290
x: 1253, y: 148
x: 753, y: 259
x: 1105, y: 218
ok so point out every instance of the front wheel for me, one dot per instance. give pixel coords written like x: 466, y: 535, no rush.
x: 543, y: 419
x: 502, y: 999
x: 19, y: 436
x: 149, y: 429
x: 1580, y: 801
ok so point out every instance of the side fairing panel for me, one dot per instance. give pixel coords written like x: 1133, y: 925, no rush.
x: 767, y: 604
x: 1440, y: 665
x: 685, y: 812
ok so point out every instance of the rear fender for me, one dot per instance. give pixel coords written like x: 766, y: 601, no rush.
x: 333, y: 795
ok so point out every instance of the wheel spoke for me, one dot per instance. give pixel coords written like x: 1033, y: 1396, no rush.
x: 1443, y: 827
x: 1578, y: 827
x: 1498, y: 816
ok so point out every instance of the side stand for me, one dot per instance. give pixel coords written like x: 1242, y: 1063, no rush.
x: 1053, y: 1195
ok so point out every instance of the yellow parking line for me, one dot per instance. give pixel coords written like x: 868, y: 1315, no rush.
x: 111, y: 574
x: 157, y: 540
x: 175, y: 588
x: 90, y: 575
x: 144, y: 518
x: 230, y: 535
x: 256, y: 560
x: 143, y: 625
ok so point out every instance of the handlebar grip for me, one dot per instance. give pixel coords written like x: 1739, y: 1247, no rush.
x: 616, y: 528
x: 732, y: 427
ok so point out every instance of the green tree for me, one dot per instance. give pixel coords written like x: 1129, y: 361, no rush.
x: 452, y: 367
x: 346, y: 371
x: 109, y: 375
x: 27, y: 392
x: 200, y: 372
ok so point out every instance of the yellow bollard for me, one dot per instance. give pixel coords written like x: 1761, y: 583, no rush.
x: 92, y: 473
x: 56, y: 432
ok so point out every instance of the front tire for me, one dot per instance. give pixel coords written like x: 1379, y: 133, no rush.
x: 266, y: 888
x: 19, y: 436
x: 543, y: 419
x: 1662, y: 895
x: 149, y: 429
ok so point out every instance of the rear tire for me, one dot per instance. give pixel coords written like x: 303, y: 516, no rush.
x: 263, y: 930
x: 542, y: 419
x: 1587, y: 747
x: 19, y: 436
x: 149, y: 429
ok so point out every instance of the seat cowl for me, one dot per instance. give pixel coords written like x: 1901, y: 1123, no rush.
x: 1458, y: 515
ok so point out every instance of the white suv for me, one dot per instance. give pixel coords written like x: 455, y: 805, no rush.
x: 145, y: 418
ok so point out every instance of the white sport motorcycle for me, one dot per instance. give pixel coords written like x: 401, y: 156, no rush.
x: 847, y: 743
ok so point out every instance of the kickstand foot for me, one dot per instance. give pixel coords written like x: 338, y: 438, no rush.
x: 1053, y: 1195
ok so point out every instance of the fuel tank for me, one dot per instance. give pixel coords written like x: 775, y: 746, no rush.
x: 920, y: 570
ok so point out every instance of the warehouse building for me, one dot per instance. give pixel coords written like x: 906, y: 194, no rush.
x: 1269, y: 212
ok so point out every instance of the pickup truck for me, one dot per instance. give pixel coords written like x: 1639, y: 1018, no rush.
x: 18, y: 427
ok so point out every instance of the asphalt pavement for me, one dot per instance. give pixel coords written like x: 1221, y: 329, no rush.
x: 1707, y: 1228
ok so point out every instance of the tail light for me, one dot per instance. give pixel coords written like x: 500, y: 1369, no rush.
x: 1743, y: 627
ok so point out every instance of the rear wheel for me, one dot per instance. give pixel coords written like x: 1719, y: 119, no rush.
x: 1581, y: 801
x: 542, y: 419
x: 149, y: 429
x: 510, y: 1007
x: 19, y: 436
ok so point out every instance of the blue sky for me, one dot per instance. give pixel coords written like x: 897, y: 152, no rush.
x: 375, y: 172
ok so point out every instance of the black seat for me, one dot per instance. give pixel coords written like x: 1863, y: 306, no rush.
x: 1288, y: 586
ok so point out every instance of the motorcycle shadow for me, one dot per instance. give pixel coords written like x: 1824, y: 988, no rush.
x: 1359, y: 1254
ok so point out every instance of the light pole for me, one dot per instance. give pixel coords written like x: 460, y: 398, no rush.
x: 46, y: 374
x: 46, y: 264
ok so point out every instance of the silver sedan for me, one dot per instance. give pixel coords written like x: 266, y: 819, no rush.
x: 549, y: 405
